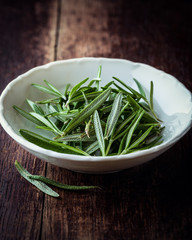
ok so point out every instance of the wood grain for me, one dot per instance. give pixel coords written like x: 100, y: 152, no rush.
x: 27, y: 40
x: 141, y: 203
x: 151, y: 201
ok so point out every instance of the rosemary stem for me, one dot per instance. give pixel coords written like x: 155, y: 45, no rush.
x: 109, y: 146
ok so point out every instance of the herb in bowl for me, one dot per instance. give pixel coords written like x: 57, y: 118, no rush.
x: 87, y: 119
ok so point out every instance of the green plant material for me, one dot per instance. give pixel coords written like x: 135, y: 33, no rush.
x: 47, y: 143
x: 137, y: 107
x: 91, y: 120
x: 113, y: 116
x: 27, y: 115
x: 87, y: 111
x: 39, y: 184
x: 133, y: 127
x: 99, y: 72
x: 36, y: 108
x: 46, y: 122
x: 124, y: 123
x: 74, y: 89
x: 99, y: 132
x: 62, y: 115
x: 134, y: 92
x: 78, y: 137
x: 49, y: 101
x: 87, y: 127
x: 50, y: 90
x: 66, y: 89
x: 60, y: 185
x: 122, y: 144
x: 70, y: 148
x: 108, y: 85
x: 142, y: 94
x: 80, y: 98
x: 139, y: 140
x: 121, y: 89
x: 92, y: 148
x: 148, y: 104
x: 86, y: 100
x: 151, y: 96
x: 142, y: 91
x: 55, y: 90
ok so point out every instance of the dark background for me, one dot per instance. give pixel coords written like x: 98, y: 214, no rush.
x: 151, y: 201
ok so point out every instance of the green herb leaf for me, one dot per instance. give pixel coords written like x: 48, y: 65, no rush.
x: 121, y: 89
x: 65, y: 146
x: 99, y: 132
x: 87, y: 111
x: 88, y: 96
x: 77, y: 137
x: 99, y: 72
x: 137, y: 107
x: 35, y: 107
x: 46, y: 122
x: 54, y: 89
x: 124, y: 124
x: 46, y: 90
x: 39, y: 184
x: 66, y: 89
x: 43, y: 142
x: 75, y: 88
x: 122, y: 144
x: 92, y: 147
x: 60, y: 185
x: 62, y: 115
x: 151, y: 95
x: 108, y: 85
x: 140, y: 139
x: 141, y: 90
x: 133, y: 127
x: 27, y: 115
x: 48, y: 101
x: 135, y: 93
x: 113, y: 116
x: 86, y: 101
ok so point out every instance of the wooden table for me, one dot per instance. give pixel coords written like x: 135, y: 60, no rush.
x: 151, y: 201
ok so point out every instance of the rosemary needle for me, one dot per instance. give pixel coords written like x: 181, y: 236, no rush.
x: 60, y: 185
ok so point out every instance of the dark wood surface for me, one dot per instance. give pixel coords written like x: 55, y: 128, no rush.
x: 151, y: 201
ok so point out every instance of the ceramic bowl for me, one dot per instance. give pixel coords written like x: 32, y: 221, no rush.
x: 172, y: 102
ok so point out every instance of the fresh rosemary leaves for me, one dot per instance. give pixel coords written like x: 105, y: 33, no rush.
x: 41, y: 182
x: 91, y: 120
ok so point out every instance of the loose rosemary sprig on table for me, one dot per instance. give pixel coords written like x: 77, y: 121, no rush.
x: 41, y: 182
x: 114, y: 119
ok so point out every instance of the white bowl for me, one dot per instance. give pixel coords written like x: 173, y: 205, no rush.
x: 172, y: 102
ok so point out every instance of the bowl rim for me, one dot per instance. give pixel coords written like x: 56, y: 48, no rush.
x: 30, y: 146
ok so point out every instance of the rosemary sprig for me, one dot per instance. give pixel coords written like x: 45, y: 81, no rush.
x: 40, y: 185
x: 87, y: 119
x: 60, y: 185
x: 41, y: 182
